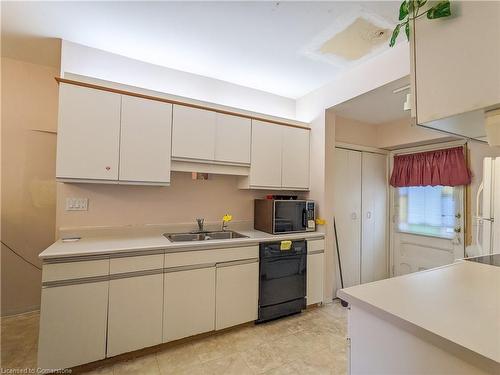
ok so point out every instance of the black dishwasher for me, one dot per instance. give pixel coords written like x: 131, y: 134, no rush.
x: 282, y: 283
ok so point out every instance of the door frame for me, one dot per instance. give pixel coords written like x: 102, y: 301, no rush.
x: 392, y: 217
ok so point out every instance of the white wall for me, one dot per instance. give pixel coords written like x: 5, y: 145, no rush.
x: 378, y: 71
x: 87, y: 61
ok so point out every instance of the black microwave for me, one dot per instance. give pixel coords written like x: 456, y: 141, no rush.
x: 277, y: 216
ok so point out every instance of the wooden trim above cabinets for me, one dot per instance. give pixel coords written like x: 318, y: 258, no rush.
x: 177, y: 102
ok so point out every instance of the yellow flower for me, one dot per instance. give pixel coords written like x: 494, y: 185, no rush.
x: 227, y: 217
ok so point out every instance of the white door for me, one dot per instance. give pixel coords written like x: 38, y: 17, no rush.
x: 88, y: 134
x: 232, y: 139
x: 237, y: 297
x: 73, y: 323
x: 347, y: 203
x: 189, y: 303
x: 427, y: 227
x: 145, y: 140
x: 374, y: 249
x: 193, y: 133
x: 295, y: 168
x: 265, y: 169
x: 135, y: 313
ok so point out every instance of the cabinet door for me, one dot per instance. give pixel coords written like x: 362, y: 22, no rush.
x: 347, y: 203
x: 237, y: 294
x: 145, y: 140
x: 265, y: 168
x: 232, y: 140
x: 374, y: 259
x: 88, y: 133
x: 193, y: 133
x: 315, y: 272
x: 189, y: 303
x: 73, y: 325
x: 135, y: 313
x: 464, y: 75
x: 295, y: 170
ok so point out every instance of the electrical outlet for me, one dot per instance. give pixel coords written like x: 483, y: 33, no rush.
x: 77, y: 204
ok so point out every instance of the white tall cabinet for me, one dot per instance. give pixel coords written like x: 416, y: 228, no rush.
x: 360, y: 203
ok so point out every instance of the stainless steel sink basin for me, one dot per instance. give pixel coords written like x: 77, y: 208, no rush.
x: 203, y: 236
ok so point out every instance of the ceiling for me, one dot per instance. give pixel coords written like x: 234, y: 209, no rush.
x: 271, y: 46
x: 377, y: 106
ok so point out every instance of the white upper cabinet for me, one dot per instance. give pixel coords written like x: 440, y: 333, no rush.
x: 208, y: 136
x: 457, y: 61
x: 193, y: 133
x: 145, y: 145
x: 295, y: 164
x: 232, y: 139
x: 265, y: 169
x: 88, y: 135
x: 111, y: 137
x: 104, y: 136
x: 279, y: 158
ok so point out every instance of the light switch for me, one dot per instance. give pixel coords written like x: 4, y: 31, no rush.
x: 77, y: 204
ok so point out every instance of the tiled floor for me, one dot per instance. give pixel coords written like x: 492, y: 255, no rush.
x: 310, y: 343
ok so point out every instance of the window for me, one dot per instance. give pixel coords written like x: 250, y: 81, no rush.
x: 427, y: 210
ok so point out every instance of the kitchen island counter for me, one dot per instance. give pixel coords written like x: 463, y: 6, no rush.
x: 454, y: 307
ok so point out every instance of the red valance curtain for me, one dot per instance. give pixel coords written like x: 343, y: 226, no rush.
x: 441, y: 167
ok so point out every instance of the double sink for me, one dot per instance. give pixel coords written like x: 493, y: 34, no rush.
x: 203, y: 236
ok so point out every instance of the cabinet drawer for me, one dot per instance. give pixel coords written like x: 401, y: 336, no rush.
x: 75, y: 270
x: 135, y: 263
x: 315, y: 245
x: 189, y: 258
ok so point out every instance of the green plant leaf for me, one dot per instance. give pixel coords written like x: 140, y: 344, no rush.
x: 403, y: 10
x: 407, y: 31
x: 394, y: 36
x: 421, y: 3
x: 441, y: 9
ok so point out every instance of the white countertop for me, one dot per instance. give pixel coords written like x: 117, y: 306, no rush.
x: 459, y: 302
x: 128, y: 242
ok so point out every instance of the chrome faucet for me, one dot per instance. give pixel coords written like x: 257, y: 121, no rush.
x: 224, y: 225
x: 200, y: 222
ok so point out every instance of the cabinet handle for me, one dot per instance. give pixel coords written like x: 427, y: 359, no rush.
x: 369, y: 214
x: 354, y: 216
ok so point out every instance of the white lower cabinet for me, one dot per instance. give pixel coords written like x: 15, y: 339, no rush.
x: 315, y: 278
x: 135, y: 313
x: 189, y: 303
x: 315, y: 271
x: 237, y: 293
x: 72, y: 325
